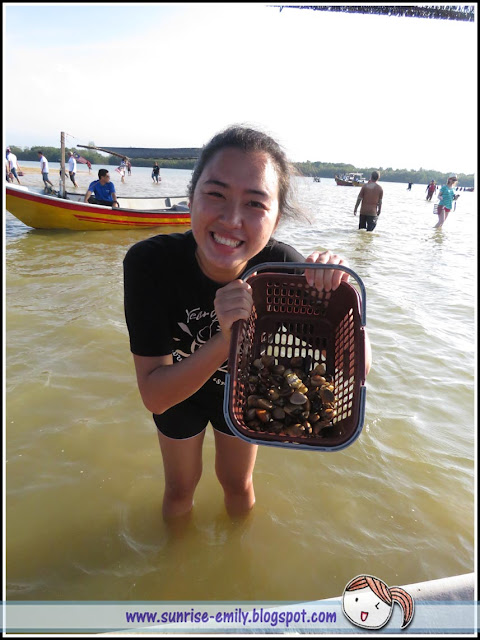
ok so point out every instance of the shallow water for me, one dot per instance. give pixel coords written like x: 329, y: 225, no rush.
x: 83, y: 466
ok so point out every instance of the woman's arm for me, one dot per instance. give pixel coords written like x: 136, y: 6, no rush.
x: 163, y: 383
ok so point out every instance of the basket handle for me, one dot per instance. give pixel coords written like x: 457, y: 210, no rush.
x: 313, y: 265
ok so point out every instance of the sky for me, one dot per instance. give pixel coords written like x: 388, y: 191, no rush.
x: 372, y: 91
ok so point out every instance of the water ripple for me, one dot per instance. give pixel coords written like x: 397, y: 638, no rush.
x: 84, y: 471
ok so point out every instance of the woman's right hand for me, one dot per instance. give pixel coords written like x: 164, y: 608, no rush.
x: 233, y: 302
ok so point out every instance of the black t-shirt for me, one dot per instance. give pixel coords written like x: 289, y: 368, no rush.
x: 169, y: 301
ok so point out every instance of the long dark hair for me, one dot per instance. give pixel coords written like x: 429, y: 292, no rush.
x: 248, y: 140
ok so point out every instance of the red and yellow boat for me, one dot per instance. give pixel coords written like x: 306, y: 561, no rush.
x: 43, y: 211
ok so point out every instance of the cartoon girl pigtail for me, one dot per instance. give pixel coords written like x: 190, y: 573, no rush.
x: 405, y: 600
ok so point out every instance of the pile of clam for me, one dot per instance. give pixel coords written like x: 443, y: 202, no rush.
x: 292, y: 400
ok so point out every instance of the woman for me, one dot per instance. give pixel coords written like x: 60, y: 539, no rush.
x: 183, y: 293
x: 446, y: 196
x: 121, y: 170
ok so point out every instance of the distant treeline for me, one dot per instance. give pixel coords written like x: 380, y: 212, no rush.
x: 422, y: 176
x: 53, y: 154
x: 308, y: 169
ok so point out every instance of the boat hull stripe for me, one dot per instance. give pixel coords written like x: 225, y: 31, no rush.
x: 135, y: 223
x: 70, y: 206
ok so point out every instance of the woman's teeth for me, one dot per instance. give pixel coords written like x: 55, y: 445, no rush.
x: 227, y: 241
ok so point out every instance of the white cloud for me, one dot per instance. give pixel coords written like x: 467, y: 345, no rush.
x: 371, y: 90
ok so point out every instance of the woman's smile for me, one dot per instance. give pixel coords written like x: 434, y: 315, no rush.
x: 226, y: 241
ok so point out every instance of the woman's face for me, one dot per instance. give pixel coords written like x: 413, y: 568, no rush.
x: 234, y: 211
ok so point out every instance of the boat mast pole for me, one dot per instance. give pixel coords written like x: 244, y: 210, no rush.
x: 62, y: 165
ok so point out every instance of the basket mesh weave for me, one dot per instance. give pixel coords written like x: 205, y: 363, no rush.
x: 289, y: 318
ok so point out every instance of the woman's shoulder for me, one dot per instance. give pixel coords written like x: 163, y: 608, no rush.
x: 277, y: 251
x: 162, y: 248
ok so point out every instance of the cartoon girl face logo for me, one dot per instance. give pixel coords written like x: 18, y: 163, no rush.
x: 368, y: 602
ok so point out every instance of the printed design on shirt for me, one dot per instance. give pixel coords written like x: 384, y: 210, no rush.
x: 198, y: 328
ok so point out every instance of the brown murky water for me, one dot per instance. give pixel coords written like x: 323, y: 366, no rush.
x: 83, y: 467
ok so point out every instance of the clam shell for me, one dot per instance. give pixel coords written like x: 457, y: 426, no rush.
x: 320, y: 369
x: 327, y: 394
x: 263, y: 403
x: 267, y: 361
x: 278, y: 369
x: 263, y: 415
x: 296, y: 361
x: 298, y: 398
x: 278, y: 414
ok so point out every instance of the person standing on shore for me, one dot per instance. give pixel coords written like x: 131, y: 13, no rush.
x: 12, y: 164
x: 446, y: 197
x: 72, y: 168
x: 44, y: 168
x: 431, y: 188
x: 371, y: 196
x: 7, y: 171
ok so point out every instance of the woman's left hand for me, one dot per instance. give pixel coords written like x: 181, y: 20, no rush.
x: 326, y: 279
x: 330, y: 279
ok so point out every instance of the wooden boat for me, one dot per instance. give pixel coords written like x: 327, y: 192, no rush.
x: 63, y: 210
x: 350, y: 180
x: 42, y: 211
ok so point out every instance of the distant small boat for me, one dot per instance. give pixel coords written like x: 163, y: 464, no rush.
x: 316, y: 179
x: 43, y: 211
x: 351, y: 180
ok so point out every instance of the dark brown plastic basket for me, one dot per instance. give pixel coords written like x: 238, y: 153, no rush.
x: 289, y: 318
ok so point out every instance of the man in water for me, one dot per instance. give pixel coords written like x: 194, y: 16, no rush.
x: 371, y: 195
x: 156, y: 173
x: 102, y: 191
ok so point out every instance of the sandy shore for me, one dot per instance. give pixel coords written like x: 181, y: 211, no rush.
x: 30, y: 170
